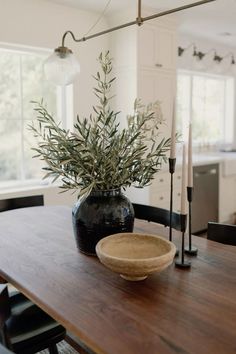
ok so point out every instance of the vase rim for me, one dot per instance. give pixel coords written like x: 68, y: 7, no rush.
x: 105, y: 192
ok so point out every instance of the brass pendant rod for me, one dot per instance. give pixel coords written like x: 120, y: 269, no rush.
x: 83, y: 39
x: 177, y: 9
x: 139, y: 20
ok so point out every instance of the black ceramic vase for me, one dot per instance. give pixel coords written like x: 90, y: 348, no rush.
x: 100, y: 214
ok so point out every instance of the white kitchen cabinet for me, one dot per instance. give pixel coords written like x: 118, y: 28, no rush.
x: 157, y: 47
x: 160, y: 190
x: 156, y: 74
x: 145, y: 68
x: 153, y: 86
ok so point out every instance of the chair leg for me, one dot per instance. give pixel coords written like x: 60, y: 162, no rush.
x: 53, y: 349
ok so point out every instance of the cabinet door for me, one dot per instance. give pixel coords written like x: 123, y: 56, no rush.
x: 157, y: 47
x: 158, y: 86
x: 146, y: 46
x: 165, y: 49
x: 160, y: 191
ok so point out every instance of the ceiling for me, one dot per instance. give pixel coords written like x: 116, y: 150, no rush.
x: 213, y: 21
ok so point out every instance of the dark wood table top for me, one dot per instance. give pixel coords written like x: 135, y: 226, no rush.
x: 176, y: 311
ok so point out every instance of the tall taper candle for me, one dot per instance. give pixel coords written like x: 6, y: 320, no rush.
x: 173, y: 132
x: 190, y: 162
x: 184, y: 187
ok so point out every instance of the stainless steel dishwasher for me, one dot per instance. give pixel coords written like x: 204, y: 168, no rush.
x: 205, y: 205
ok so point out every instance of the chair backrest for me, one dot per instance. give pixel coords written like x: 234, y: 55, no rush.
x: 223, y: 233
x: 21, y: 202
x: 5, y: 312
x: 158, y: 215
x: 24, y: 327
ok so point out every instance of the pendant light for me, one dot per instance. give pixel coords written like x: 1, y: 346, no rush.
x: 62, y: 67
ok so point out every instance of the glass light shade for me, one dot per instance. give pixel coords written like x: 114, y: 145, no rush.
x: 62, y: 68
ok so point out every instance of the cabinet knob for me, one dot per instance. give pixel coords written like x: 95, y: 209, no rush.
x: 161, y: 180
x: 161, y: 198
x: 158, y: 65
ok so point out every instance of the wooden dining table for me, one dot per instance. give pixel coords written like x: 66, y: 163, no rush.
x: 175, y: 311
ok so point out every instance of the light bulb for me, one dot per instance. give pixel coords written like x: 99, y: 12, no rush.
x: 62, y: 67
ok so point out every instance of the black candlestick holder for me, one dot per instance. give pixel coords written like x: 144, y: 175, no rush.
x: 181, y: 262
x: 190, y: 250
x: 172, y: 162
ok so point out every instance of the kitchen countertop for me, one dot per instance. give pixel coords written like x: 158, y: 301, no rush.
x: 226, y: 159
x: 207, y: 158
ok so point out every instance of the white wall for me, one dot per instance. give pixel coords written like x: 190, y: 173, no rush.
x: 39, y: 23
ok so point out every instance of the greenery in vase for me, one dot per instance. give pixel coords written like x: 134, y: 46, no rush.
x: 99, y: 155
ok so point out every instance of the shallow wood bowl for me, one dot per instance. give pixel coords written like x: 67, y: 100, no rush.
x: 134, y: 256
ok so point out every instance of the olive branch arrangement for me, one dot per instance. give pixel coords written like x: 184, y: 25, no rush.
x: 99, y: 155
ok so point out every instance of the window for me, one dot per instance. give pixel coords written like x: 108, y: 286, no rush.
x: 207, y: 101
x: 21, y: 81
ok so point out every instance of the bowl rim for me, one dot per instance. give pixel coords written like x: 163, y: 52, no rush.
x: 98, y: 248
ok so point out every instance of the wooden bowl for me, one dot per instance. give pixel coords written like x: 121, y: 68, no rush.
x: 135, y: 256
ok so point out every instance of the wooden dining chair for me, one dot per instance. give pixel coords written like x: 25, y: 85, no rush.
x: 24, y: 327
x: 158, y: 215
x: 223, y: 233
x: 21, y: 202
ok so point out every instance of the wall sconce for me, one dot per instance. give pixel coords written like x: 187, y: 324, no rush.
x: 233, y: 65
x: 62, y: 67
x: 217, y: 59
x: 197, y: 54
x: 216, y: 63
